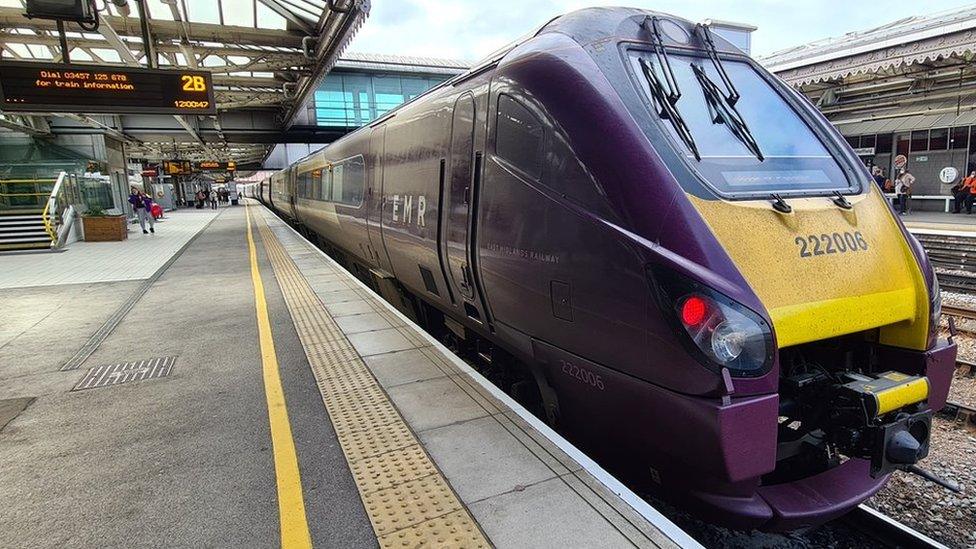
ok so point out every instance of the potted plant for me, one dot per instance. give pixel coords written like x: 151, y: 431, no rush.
x: 100, y: 226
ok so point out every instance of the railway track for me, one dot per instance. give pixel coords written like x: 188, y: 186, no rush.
x: 958, y: 283
x: 962, y: 414
x: 954, y: 253
x: 960, y: 312
x: 887, y: 530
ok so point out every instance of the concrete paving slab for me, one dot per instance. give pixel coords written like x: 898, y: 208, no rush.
x: 338, y: 296
x: 11, y: 408
x: 401, y: 367
x: 509, y: 519
x: 367, y: 322
x: 481, y: 459
x: 434, y: 403
x: 380, y: 341
x: 346, y: 308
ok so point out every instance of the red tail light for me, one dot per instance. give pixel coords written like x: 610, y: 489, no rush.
x: 694, y: 311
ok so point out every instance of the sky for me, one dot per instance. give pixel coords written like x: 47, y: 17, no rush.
x: 471, y: 29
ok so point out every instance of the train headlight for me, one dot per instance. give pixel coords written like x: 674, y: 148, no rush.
x: 726, y: 336
x: 721, y: 332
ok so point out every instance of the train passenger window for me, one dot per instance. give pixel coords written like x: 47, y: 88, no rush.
x: 337, y: 182
x: 518, y: 137
x: 301, y: 183
x: 315, y: 184
x: 349, y: 181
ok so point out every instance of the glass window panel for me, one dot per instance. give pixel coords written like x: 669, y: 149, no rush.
x: 268, y: 19
x: 337, y: 182
x: 414, y: 86
x: 853, y: 140
x: 518, y: 137
x: 316, y: 184
x: 353, y: 182
x: 959, y: 138
x: 939, y: 139
x: 795, y: 157
x: 325, y: 189
x: 868, y: 141
x: 882, y: 144
x: 239, y: 13
x: 203, y: 12
x: 920, y: 140
x: 901, y: 146
x: 158, y: 10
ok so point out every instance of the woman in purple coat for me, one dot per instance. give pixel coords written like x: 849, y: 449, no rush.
x: 142, y: 205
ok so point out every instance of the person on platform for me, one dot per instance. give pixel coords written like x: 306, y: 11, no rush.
x: 199, y: 196
x: 959, y: 194
x: 878, y: 177
x: 969, y: 189
x: 142, y: 206
x: 213, y: 200
x: 903, y: 188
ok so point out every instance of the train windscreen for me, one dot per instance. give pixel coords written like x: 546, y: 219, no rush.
x: 746, y: 141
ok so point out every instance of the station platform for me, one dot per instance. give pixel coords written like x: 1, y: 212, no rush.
x: 940, y: 222
x: 239, y: 388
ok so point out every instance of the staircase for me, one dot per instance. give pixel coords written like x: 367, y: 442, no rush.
x: 23, y: 230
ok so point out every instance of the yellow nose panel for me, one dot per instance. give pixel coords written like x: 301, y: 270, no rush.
x: 822, y: 271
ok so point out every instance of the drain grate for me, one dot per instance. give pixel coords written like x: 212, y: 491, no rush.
x: 124, y: 372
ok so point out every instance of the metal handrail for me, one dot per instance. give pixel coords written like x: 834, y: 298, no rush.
x: 52, y: 205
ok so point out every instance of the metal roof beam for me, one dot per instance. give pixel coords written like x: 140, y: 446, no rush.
x: 24, y: 126
x: 276, y: 7
x: 193, y: 133
x: 109, y: 130
x: 169, y: 30
x: 106, y: 30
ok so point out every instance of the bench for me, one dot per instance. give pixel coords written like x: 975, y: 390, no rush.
x: 946, y: 199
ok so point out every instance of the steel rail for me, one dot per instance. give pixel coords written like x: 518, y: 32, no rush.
x: 887, y: 530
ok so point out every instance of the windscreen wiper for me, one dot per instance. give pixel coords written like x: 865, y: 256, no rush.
x: 723, y: 112
x: 720, y: 104
x: 665, y: 100
x: 666, y: 108
x: 706, y: 37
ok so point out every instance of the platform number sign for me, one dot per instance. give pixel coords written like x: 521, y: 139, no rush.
x: 55, y: 87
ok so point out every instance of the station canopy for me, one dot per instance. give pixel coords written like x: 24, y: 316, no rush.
x: 266, y: 57
x: 912, y: 74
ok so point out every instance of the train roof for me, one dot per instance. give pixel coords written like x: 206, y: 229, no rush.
x: 584, y: 26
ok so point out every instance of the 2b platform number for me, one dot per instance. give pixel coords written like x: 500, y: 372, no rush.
x: 193, y: 83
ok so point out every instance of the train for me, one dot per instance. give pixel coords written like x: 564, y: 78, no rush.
x: 660, y: 248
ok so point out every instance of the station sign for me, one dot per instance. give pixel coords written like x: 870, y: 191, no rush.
x: 55, y: 87
x: 214, y: 166
x: 948, y: 174
x: 177, y: 167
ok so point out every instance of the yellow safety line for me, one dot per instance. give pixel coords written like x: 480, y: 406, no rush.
x: 408, y: 501
x: 291, y: 504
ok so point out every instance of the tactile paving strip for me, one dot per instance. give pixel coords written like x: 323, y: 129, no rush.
x: 408, y: 501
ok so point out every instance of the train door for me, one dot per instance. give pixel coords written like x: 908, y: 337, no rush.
x: 376, y: 248
x: 457, y: 210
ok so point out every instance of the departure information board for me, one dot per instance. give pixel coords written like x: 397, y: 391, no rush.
x: 53, y: 87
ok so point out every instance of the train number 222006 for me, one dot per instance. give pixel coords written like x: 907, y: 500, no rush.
x: 835, y: 243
